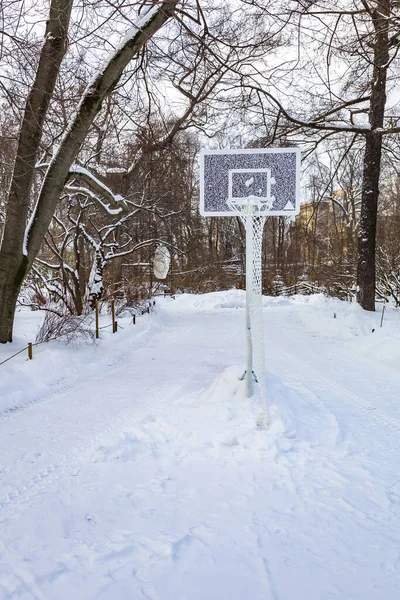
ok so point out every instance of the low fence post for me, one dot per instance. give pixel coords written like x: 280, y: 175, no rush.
x: 114, y: 329
x: 383, y: 310
x: 30, y: 354
x: 97, y: 319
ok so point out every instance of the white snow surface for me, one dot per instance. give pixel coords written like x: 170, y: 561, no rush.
x: 134, y: 469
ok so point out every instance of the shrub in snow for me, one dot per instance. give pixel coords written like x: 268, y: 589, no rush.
x: 66, y: 326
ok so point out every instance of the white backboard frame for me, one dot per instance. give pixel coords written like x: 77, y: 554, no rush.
x: 266, y: 200
x: 227, y: 210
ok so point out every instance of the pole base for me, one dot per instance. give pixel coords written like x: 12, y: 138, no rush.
x: 242, y: 377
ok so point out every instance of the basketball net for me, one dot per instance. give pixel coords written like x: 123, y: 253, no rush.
x: 255, y: 356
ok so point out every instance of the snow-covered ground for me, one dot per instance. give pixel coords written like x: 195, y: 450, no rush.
x: 133, y: 469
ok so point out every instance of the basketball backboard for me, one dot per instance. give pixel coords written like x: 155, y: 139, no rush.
x: 268, y: 178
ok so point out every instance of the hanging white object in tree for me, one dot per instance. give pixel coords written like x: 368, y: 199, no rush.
x: 162, y: 261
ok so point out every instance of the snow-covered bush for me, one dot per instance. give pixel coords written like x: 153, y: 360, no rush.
x: 66, y: 326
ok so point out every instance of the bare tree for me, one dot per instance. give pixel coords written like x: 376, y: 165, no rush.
x: 347, y: 52
x: 21, y: 242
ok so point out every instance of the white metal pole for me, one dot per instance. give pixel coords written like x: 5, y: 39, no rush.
x: 249, y: 288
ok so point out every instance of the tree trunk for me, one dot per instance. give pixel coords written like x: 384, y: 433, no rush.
x: 368, y: 218
x: 372, y: 161
x: 9, y: 290
x: 13, y: 262
x: 32, y: 125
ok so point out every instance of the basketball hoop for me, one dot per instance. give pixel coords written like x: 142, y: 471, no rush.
x: 251, y: 184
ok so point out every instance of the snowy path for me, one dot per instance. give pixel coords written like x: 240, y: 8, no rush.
x: 127, y: 483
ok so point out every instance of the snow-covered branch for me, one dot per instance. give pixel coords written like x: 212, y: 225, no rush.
x: 117, y: 203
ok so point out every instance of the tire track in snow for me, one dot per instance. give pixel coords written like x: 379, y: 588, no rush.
x: 56, y: 470
x: 304, y: 378
x: 122, y: 357
x: 104, y: 365
x: 68, y: 464
x: 48, y: 477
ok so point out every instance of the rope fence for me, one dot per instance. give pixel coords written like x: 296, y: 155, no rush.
x: 13, y: 355
x: 114, y: 325
x: 29, y: 348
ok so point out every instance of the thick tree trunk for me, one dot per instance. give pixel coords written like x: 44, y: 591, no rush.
x: 372, y: 161
x: 14, y: 264
x: 368, y: 218
x: 11, y: 278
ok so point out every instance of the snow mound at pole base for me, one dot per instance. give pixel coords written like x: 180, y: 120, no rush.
x: 240, y: 419
x: 227, y: 386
